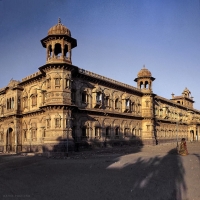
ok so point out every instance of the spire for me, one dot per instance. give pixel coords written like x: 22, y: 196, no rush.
x: 59, y: 20
x: 144, y: 66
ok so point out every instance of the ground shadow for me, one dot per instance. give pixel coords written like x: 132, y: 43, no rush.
x: 156, y: 178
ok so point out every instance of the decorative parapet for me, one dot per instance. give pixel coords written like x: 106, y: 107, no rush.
x: 2, y: 89
x: 88, y: 73
x: 31, y: 76
x: 168, y: 100
x: 177, y: 104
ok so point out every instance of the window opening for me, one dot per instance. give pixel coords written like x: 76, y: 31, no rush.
x: 57, y: 50
x: 98, y: 97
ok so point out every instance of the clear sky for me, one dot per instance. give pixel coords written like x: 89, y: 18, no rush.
x: 115, y: 39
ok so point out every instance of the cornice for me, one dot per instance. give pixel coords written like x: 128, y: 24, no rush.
x: 108, y: 113
x: 58, y: 65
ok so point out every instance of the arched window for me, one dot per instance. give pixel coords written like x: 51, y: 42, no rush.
x: 34, y: 99
x: 48, y: 120
x: 8, y: 104
x: 116, y: 103
x: 84, y: 98
x: 25, y: 102
x: 133, y: 106
x: 139, y: 132
x: 117, y: 132
x: 57, y: 81
x: 134, y: 132
x: 12, y: 102
x: 67, y: 83
x: 107, y: 101
x: 97, y: 133
x: 57, y: 50
x: 65, y: 51
x: 98, y: 97
x: 33, y: 131
x: 108, y: 132
x: 141, y: 85
x: 48, y: 81
x: 57, y: 122
x: 49, y: 52
x: 84, y: 132
x: 161, y: 112
x: 126, y: 132
x: 128, y: 104
x: 146, y: 85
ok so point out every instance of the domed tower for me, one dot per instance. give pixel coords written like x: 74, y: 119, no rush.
x: 144, y: 82
x: 144, y: 79
x: 59, y: 44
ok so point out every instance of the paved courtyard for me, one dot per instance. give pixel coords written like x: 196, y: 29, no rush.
x: 149, y: 173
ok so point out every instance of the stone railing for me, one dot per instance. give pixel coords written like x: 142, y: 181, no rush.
x: 1, y: 89
x: 88, y: 73
x: 31, y: 76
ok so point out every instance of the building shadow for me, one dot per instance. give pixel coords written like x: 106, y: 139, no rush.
x: 69, y: 148
x: 156, y: 178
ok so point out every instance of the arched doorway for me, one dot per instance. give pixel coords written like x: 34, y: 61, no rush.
x: 191, y: 135
x: 10, y: 140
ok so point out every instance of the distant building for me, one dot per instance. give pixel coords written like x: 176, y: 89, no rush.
x: 62, y: 105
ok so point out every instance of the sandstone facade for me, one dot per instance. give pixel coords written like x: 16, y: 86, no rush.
x: 62, y: 105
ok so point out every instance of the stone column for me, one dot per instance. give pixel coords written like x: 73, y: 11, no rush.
x: 47, y: 53
x: 53, y: 47
x: 69, y: 52
x: 62, y: 52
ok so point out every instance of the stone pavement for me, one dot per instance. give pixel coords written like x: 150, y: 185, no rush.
x: 146, y: 173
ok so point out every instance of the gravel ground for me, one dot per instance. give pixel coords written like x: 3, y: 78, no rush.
x: 149, y: 173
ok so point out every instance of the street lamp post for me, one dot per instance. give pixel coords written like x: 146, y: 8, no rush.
x: 177, y: 135
x: 68, y: 128
x: 30, y: 145
x: 67, y: 136
x: 180, y: 114
x: 8, y: 142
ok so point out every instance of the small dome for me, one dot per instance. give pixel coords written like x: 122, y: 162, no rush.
x: 144, y: 73
x: 59, y: 29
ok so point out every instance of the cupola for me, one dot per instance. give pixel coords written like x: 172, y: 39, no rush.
x: 144, y: 79
x: 59, y: 44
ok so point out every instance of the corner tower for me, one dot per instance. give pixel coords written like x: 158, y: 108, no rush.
x: 144, y: 82
x: 59, y: 44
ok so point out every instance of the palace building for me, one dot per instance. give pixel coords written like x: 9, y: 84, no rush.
x: 62, y: 105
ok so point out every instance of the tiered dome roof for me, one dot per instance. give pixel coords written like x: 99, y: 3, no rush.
x: 59, y: 29
x: 144, y: 73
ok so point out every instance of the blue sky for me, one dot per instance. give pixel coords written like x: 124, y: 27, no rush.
x: 115, y: 39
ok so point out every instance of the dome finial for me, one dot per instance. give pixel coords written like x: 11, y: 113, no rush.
x: 144, y: 66
x: 59, y: 20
